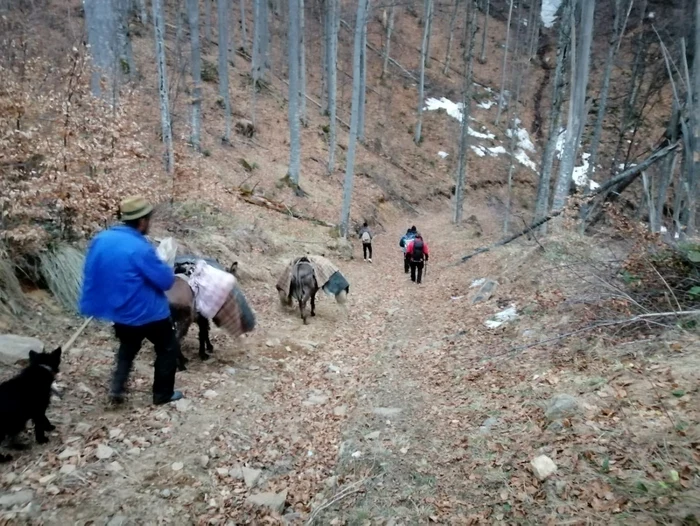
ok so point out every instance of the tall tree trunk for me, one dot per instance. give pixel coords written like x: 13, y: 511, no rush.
x: 260, y: 46
x: 360, y: 23
x: 578, y: 107
x: 450, y: 38
x: 387, y: 42
x: 421, y: 83
x: 302, y: 65
x: 143, y: 12
x: 207, y: 21
x: 363, y: 88
x: 605, y: 88
x: 196, y: 67
x: 244, y: 29
x: 222, y: 17
x: 502, y: 95
x: 430, y: 30
x: 543, y: 187
x: 159, y: 30
x: 668, y: 166
x: 294, y: 63
x: 332, y: 76
x: 482, y: 55
x: 694, y: 92
x: 127, y: 66
x: 535, y: 26
x: 101, y: 23
x: 467, y: 86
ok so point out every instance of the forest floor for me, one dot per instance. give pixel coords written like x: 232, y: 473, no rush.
x: 401, y: 407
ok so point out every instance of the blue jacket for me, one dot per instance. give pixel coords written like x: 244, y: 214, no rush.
x: 124, y: 281
x: 405, y: 239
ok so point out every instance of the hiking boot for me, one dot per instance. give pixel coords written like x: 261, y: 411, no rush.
x: 177, y: 395
x: 370, y: 260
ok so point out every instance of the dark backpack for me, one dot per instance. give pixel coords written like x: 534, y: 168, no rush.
x: 417, y: 253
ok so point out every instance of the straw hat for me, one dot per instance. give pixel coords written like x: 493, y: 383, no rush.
x: 134, y: 208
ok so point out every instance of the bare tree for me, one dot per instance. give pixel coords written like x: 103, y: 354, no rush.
x: 207, y: 21
x: 332, y: 27
x: 360, y: 23
x: 613, y: 47
x: 577, y: 105
x: 387, y: 42
x: 542, y: 203
x: 427, y: 12
x: 694, y: 98
x: 222, y: 17
x: 363, y: 87
x: 101, y: 24
x: 143, y: 12
x: 450, y: 38
x: 502, y: 94
x: 294, y: 63
x: 244, y: 30
x: 302, y: 65
x: 482, y: 55
x: 196, y: 69
x: 467, y: 86
x: 260, y: 48
x: 159, y: 27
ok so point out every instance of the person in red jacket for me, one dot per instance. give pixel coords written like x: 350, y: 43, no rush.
x: 417, y: 254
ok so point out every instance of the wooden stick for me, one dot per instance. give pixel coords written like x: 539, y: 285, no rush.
x: 75, y: 335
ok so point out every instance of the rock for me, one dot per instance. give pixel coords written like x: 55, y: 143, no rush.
x: 115, y: 433
x: 485, y: 428
x: 82, y: 428
x: 222, y: 471
x: 270, y: 500
x: 116, y: 467
x: 47, y: 479
x: 543, y: 467
x: 333, y: 368
x: 273, y: 342
x: 7, y: 500
x: 251, y: 476
x: 134, y: 451
x: 230, y: 370
x: 204, y: 461
x: 67, y: 469
x: 118, y: 520
x: 14, y: 349
x: 485, y: 291
x: 372, y: 436
x: 210, y: 394
x: 316, y: 400
x: 69, y: 452
x: 386, y: 411
x: 341, y: 410
x: 177, y: 466
x: 555, y: 427
x: 183, y: 405
x: 561, y: 406
x: 103, y: 452
x: 166, y: 493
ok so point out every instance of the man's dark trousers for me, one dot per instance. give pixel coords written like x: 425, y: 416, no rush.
x: 417, y: 266
x: 162, y: 335
x: 406, y: 264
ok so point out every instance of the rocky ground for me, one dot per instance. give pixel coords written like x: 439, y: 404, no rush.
x: 403, y: 407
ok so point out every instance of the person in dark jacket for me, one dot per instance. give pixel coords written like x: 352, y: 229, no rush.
x: 124, y: 282
x: 403, y: 242
x: 417, y: 252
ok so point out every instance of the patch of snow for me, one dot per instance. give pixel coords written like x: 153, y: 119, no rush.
x: 549, y: 12
x: 496, y: 150
x: 443, y: 155
x: 479, y: 150
x: 524, y: 141
x: 561, y: 139
x: 480, y: 135
x: 502, y: 317
x: 486, y: 104
x: 523, y: 159
x: 663, y: 229
x: 453, y: 109
x: 580, y: 175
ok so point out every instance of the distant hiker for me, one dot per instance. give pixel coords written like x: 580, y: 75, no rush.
x: 417, y: 253
x: 366, y: 237
x: 408, y: 236
x: 124, y: 282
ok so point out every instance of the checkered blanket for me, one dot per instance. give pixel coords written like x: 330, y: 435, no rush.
x: 211, y: 288
x: 323, y: 270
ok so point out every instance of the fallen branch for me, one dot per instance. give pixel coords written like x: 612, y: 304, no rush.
x: 259, y: 200
x: 625, y: 176
x: 356, y: 487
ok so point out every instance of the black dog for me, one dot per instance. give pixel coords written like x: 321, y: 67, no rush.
x: 27, y: 397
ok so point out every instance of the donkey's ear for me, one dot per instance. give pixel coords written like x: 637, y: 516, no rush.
x: 33, y: 356
x: 234, y: 267
x: 57, y: 352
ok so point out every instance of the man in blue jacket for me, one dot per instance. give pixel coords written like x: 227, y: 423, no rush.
x: 124, y: 282
x: 403, y: 243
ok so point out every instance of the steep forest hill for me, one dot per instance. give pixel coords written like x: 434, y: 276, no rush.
x: 549, y: 380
